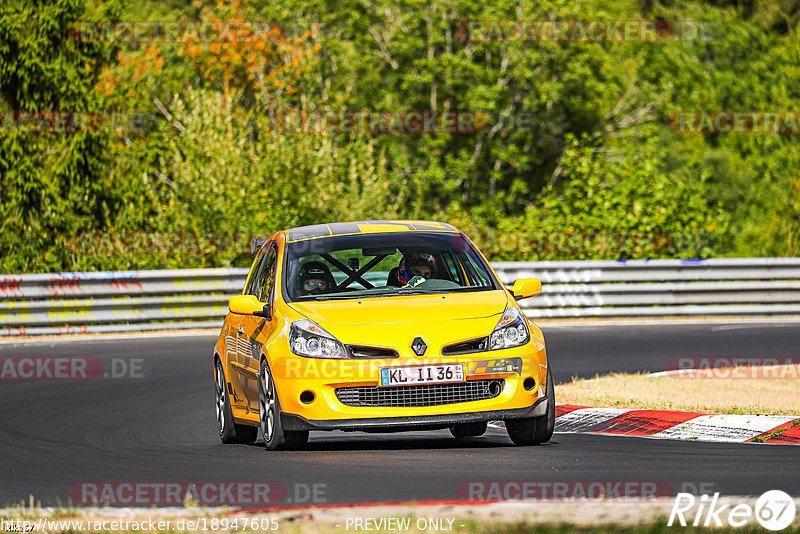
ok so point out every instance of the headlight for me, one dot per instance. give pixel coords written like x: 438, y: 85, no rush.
x: 307, y: 338
x: 511, y: 331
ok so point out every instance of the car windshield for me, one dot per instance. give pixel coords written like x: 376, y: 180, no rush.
x: 383, y: 265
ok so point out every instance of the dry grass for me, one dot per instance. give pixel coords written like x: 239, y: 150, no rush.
x: 749, y: 390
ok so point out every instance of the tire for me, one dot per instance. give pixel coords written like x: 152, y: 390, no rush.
x: 535, y: 430
x: 269, y: 416
x: 469, y: 430
x: 229, y: 432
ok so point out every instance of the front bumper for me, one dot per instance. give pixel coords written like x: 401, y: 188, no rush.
x: 327, y: 412
x: 401, y: 424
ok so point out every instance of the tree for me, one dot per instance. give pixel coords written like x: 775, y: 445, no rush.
x: 52, y: 181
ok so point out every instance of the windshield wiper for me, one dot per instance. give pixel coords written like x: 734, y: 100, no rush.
x: 397, y: 293
x: 401, y: 292
x: 345, y: 297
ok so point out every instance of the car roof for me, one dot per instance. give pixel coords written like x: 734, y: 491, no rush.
x: 365, y: 227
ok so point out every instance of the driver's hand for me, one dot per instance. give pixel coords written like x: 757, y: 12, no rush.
x: 414, y: 282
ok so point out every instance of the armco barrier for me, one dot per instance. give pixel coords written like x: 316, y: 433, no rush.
x: 117, y: 301
x: 725, y: 286
x: 121, y: 301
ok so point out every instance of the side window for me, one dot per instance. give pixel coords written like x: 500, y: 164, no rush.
x: 252, y: 277
x: 266, y: 276
x: 475, y: 275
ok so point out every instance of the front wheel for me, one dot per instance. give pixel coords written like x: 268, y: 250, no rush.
x: 229, y: 432
x: 269, y: 416
x: 535, y: 430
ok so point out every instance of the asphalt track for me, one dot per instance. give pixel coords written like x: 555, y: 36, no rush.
x: 161, y: 427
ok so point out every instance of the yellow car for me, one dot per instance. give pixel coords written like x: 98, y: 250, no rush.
x: 378, y: 326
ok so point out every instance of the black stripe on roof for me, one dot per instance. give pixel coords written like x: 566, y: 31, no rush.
x: 344, y: 228
x: 332, y: 229
x: 305, y: 232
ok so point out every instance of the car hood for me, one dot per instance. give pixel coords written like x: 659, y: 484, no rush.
x: 396, y: 321
x: 404, y: 309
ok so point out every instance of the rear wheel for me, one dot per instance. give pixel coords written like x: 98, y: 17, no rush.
x: 468, y: 430
x: 269, y: 415
x: 535, y: 430
x: 229, y: 432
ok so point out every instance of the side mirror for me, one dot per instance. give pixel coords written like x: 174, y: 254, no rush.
x: 526, y: 287
x: 249, y: 305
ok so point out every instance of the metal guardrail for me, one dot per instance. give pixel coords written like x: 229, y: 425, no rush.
x: 725, y: 286
x: 116, y: 301
x: 123, y: 301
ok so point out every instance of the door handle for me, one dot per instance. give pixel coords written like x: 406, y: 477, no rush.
x: 241, y: 331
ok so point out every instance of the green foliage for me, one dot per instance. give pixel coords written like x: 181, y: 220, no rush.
x: 51, y: 185
x: 615, y: 203
x: 222, y: 174
x: 578, y: 160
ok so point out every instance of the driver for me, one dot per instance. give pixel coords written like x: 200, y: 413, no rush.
x: 314, y: 278
x: 416, y: 264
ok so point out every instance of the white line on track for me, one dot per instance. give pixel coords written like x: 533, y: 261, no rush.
x: 110, y: 337
x: 724, y: 323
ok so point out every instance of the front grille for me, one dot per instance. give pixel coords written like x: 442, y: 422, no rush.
x: 422, y: 395
x: 467, y: 347
x: 361, y: 351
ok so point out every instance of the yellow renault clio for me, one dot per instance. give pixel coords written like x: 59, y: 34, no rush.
x: 378, y: 326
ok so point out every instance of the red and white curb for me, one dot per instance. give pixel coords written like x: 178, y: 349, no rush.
x: 663, y: 424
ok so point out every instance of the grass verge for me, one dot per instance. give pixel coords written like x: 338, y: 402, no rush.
x: 739, y: 390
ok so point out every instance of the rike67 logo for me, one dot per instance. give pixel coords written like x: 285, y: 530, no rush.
x: 774, y: 510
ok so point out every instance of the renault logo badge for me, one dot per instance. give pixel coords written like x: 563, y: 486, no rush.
x: 418, y: 346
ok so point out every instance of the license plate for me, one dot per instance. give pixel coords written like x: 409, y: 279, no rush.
x: 422, y: 374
